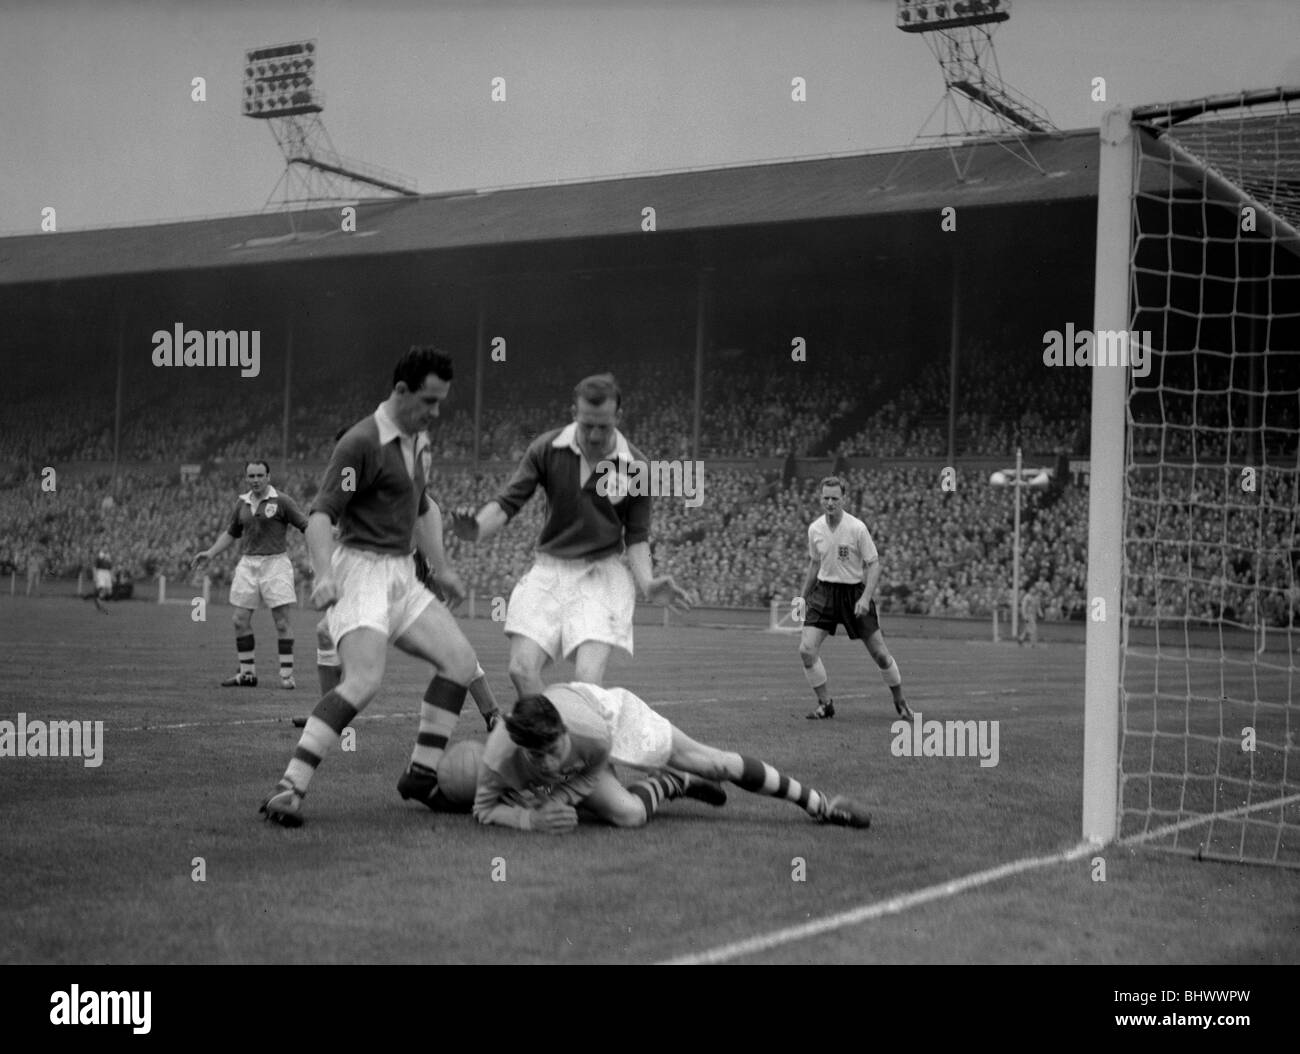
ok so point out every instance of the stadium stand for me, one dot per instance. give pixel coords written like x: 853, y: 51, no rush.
x: 944, y: 553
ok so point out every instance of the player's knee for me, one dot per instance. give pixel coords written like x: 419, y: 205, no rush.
x: 631, y: 814
x: 323, y: 639
x: 461, y: 665
x: 360, y: 686
x: 807, y: 654
x: 241, y: 621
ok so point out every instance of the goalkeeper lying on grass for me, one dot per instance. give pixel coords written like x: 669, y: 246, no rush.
x: 553, y: 752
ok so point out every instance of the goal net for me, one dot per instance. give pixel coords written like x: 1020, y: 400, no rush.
x: 1194, y: 558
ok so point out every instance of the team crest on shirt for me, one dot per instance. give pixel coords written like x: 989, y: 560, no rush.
x: 271, y: 508
x: 844, y: 551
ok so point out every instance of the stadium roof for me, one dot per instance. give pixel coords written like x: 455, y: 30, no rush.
x: 858, y: 187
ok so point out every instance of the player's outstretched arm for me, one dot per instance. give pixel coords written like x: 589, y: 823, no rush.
x: 480, y: 526
x: 218, y: 547
x: 662, y: 589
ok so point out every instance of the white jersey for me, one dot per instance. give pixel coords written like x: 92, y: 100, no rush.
x: 844, y: 551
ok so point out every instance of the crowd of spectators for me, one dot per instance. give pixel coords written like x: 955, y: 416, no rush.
x: 1200, y: 553
x: 1198, y: 543
x: 747, y: 411
x: 1196, y: 553
x: 1005, y: 403
x: 154, y: 524
x: 36, y: 428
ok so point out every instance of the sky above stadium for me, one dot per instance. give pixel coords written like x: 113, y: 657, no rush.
x: 97, y: 119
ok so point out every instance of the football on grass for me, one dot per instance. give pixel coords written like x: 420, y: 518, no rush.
x: 458, y: 771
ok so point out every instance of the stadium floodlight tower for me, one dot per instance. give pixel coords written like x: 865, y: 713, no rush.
x: 977, y: 105
x: 280, y: 88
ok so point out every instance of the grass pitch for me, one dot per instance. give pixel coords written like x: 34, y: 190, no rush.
x: 99, y: 864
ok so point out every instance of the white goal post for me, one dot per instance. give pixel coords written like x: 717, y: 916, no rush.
x: 1106, y: 485
x: 1191, y: 732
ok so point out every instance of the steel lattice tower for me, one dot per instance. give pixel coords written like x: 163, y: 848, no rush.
x: 280, y: 88
x: 977, y: 104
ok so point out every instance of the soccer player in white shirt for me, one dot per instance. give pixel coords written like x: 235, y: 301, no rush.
x: 553, y: 752
x: 843, y: 571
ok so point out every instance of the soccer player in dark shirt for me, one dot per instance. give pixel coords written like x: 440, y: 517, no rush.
x: 578, y: 598
x: 262, y: 517
x: 374, y: 491
x: 103, y: 584
x: 327, y: 657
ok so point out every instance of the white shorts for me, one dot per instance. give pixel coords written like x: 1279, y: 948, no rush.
x: 103, y: 579
x: 261, y: 579
x: 639, y: 736
x: 563, y: 603
x: 375, y: 591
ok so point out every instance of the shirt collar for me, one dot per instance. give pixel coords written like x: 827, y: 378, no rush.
x: 568, y: 437
x: 388, y: 430
x: 247, y: 496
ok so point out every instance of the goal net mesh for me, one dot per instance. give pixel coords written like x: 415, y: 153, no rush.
x: 1209, y: 752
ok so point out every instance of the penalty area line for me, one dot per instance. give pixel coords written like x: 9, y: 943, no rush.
x: 881, y: 908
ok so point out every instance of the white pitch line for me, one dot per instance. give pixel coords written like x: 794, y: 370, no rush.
x: 382, y: 717
x: 1197, y: 821
x: 246, y: 721
x: 879, y: 909
x: 655, y: 703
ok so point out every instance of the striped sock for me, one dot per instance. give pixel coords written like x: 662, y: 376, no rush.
x: 286, y: 656
x: 654, y: 790
x: 439, y: 713
x: 332, y: 715
x: 244, y: 646
x: 759, y: 777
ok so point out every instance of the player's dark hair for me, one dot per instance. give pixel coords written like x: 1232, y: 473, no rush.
x: 258, y: 461
x: 597, y: 388
x: 418, y: 363
x: 534, y: 723
x: 834, y: 481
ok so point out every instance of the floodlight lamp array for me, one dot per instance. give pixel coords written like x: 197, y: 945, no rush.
x: 281, y: 80
x: 923, y: 16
